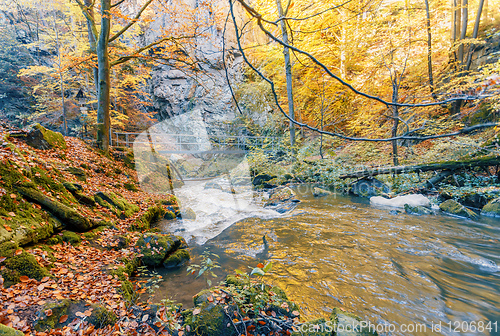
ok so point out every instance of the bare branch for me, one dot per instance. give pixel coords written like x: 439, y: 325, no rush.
x: 118, y: 3
x: 132, y: 22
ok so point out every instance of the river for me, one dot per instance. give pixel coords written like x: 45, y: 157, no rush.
x: 381, y: 264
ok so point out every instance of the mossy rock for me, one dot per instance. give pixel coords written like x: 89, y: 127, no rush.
x: 169, y: 215
x: 8, y: 249
x: 417, y: 210
x: 152, y: 215
x: 7, y: 331
x: 41, y: 138
x: 130, y: 186
x: 23, y: 264
x: 84, y: 199
x: 236, y: 280
x: 262, y: 179
x: 492, y: 209
x: 116, y: 203
x: 54, y: 240
x: 72, y: 187
x: 453, y: 207
x: 280, y: 195
x: 78, y: 172
x: 318, y: 192
x: 155, y: 247
x: 348, y: 324
x: 211, y: 321
x: 177, y: 259
x: 57, y: 309
x: 102, y: 317
x: 71, y: 237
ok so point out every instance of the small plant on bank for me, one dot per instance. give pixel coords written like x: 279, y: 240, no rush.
x: 208, y: 264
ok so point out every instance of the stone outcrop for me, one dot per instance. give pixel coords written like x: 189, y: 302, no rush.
x: 455, y: 208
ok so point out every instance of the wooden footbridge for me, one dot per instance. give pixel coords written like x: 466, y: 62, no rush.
x: 193, y: 143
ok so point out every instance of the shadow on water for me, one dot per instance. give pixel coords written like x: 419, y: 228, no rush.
x: 385, y: 266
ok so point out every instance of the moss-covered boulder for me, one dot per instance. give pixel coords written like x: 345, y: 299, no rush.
x: 117, y: 203
x: 261, y: 179
x: 155, y: 247
x: 417, y: 210
x: 71, y: 237
x: 368, y: 187
x: 177, y: 259
x: 318, y: 192
x: 280, y: 195
x: 22, y: 264
x: 101, y: 316
x: 210, y: 320
x: 50, y: 314
x: 7, y: 331
x: 188, y: 213
x: 492, y: 209
x: 455, y: 208
x: 318, y: 327
x: 78, y: 172
x: 41, y: 138
x: 152, y: 215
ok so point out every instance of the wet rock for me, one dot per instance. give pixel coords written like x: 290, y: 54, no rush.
x: 116, y: 203
x: 455, y: 208
x: 41, y: 138
x: 71, y: 238
x: 318, y: 192
x: 17, y: 265
x: 280, y: 195
x: 188, y: 213
x: 154, y: 247
x: 262, y: 179
x: 72, y: 187
x: 417, y: 210
x: 319, y: 327
x: 177, y: 259
x: 368, y: 187
x: 213, y: 185
x: 492, y: 209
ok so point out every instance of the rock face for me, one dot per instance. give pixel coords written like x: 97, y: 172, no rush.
x: 417, y: 210
x: 282, y: 199
x: 492, y: 209
x: 42, y: 138
x: 455, y: 208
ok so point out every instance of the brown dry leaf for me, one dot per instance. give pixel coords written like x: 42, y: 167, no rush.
x: 196, y: 311
x: 40, y: 287
x: 2, y: 259
x: 63, y: 318
x: 145, y: 318
x: 45, y: 279
x: 210, y: 298
x: 24, y: 278
x: 13, y: 196
x: 12, y: 214
x: 7, y: 227
x: 88, y: 312
x: 18, y: 252
x: 48, y: 312
x: 296, y: 313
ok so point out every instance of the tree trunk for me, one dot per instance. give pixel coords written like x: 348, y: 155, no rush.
x: 463, y: 33
x: 484, y: 161
x: 474, y: 33
x: 395, y: 116
x: 104, y: 81
x: 92, y: 41
x: 288, y: 69
x: 61, y: 82
x: 429, y: 49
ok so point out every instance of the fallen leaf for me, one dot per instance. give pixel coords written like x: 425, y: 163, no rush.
x: 196, y: 311
x: 12, y: 214
x: 13, y: 196
x: 260, y: 265
x: 145, y: 318
x: 18, y: 252
x: 2, y: 259
x: 24, y: 278
x: 63, y: 318
x: 48, y: 312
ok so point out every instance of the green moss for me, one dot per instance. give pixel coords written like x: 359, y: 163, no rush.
x: 7, y: 331
x: 102, y: 317
x: 455, y: 208
x: 130, y: 186
x: 169, y: 215
x: 116, y: 203
x: 71, y: 237
x: 57, y: 309
x: 78, y: 172
x: 8, y: 249
x: 22, y: 264
x: 152, y: 215
x: 54, y: 240
x: 318, y: 327
x: 41, y: 178
x: 54, y: 139
x: 236, y: 280
x: 155, y: 247
x: 209, y: 322
x: 177, y: 259
x: 348, y: 322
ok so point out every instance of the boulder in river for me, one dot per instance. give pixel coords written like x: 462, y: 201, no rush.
x: 417, y: 210
x: 318, y: 192
x: 400, y: 201
x: 369, y: 186
x: 157, y: 248
x: 492, y: 209
x: 282, y: 200
x: 262, y: 179
x: 455, y: 208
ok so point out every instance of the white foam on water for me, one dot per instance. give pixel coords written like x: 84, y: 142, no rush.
x: 400, y: 201
x: 215, y: 209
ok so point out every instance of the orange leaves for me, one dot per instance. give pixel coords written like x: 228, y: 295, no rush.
x: 48, y: 312
x: 63, y: 318
x: 24, y: 278
x: 8, y: 228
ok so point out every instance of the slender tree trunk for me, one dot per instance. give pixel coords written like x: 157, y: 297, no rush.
x: 61, y: 82
x: 463, y: 33
x: 474, y: 34
x: 103, y: 118
x: 429, y: 49
x: 395, y: 116
x: 288, y: 69
x: 92, y: 41
x: 453, y: 21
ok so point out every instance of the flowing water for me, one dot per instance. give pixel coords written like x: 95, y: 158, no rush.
x: 383, y: 265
